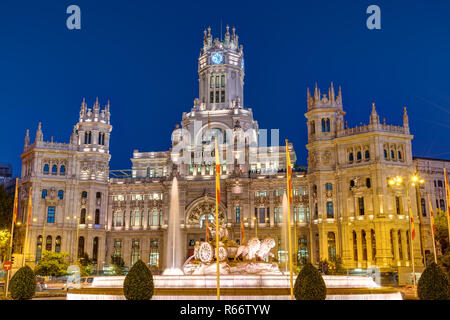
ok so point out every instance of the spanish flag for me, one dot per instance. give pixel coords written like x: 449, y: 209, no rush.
x: 289, y: 175
x: 217, y: 172
x: 447, y: 193
x: 433, y: 227
x: 242, y: 233
x: 16, y: 202
x: 413, y: 230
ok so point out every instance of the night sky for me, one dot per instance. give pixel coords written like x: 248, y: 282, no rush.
x: 142, y: 55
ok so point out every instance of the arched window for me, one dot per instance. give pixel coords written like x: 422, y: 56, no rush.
x: 385, y: 154
x: 48, y: 243
x: 359, y: 156
x: 154, y: 253
x: 368, y: 183
x: 80, y: 247
x: 46, y: 169
x: 331, y: 246
x: 44, y: 193
x: 392, y: 155
x: 136, y: 219
x: 328, y: 186
x: 323, y: 125
x: 95, y: 249
x: 350, y: 157
x: 38, y: 248
x: 83, y: 216
x: 328, y: 125
x: 330, y: 212
x: 399, y: 155
x: 313, y: 127
x: 58, y: 244
x: 423, y: 207
x: 374, y: 244
x: 367, y: 155
x: 54, y: 169
x: 97, y: 216
x: 88, y: 137
x: 400, y: 247
x: 62, y: 170
x: 364, y: 244
x: 238, y: 214
x: 61, y: 194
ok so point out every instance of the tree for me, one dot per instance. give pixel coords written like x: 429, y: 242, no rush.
x: 6, y: 208
x: 23, y: 284
x: 86, y: 265
x: 433, y: 284
x: 309, y: 284
x: 138, y: 284
x: 5, y: 236
x: 52, y: 264
x: 440, y: 221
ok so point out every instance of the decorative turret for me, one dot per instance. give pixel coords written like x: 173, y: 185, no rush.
x: 374, y: 118
x: 94, y: 114
x: 322, y: 100
x: 74, y: 136
x: 39, y: 134
x: 27, y: 139
x: 405, y: 120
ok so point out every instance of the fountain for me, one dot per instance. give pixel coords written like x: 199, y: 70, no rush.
x: 173, y: 243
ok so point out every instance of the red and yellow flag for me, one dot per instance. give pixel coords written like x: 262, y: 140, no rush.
x: 447, y: 192
x: 16, y: 202
x: 413, y: 229
x: 433, y: 227
x: 242, y: 232
x: 289, y: 175
x: 217, y: 172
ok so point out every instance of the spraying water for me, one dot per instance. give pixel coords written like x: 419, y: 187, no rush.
x: 284, y: 232
x: 173, y: 245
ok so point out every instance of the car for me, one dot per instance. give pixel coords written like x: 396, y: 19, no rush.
x: 83, y: 282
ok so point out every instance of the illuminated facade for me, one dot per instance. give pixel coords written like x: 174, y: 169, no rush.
x: 343, y: 203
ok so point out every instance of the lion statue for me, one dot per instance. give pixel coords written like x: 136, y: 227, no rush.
x: 264, y: 250
x: 255, y: 249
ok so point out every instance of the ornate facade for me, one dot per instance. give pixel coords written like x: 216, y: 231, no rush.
x: 343, y: 204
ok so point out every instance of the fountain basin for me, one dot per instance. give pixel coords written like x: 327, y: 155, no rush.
x: 236, y: 287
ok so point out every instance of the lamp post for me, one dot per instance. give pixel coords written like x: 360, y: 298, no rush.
x: 412, y: 182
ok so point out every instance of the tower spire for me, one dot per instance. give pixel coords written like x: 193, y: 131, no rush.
x: 405, y: 120
x: 374, y: 118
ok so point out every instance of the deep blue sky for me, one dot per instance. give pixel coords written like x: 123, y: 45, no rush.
x: 142, y: 55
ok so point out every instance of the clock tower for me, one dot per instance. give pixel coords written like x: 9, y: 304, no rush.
x: 221, y: 72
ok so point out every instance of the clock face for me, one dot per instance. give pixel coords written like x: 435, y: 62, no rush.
x: 217, y: 58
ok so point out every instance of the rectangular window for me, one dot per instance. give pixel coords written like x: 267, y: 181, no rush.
x: 222, y: 96
x: 262, y: 215
x: 361, y: 206
x: 398, y: 206
x: 330, y: 213
x: 217, y: 82
x: 301, y: 214
x: 238, y: 214
x: 222, y: 80
x: 211, y: 96
x: 211, y: 82
x: 217, y: 96
x: 51, y: 214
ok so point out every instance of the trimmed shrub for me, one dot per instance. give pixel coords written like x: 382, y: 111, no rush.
x: 433, y: 284
x: 23, y: 284
x: 309, y: 284
x: 138, y: 284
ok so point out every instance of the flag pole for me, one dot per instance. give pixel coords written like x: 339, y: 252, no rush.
x: 217, y: 216
x: 432, y: 228
x: 13, y: 222
x: 288, y: 163
x: 25, y: 246
x: 411, y: 238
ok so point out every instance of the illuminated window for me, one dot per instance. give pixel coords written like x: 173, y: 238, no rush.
x: 38, y: 248
x: 154, y: 254
x: 48, y: 243
x: 135, y: 251
x: 58, y: 244
x: 364, y: 245
x: 331, y: 246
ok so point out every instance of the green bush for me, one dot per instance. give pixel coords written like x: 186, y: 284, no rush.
x: 23, y: 284
x: 138, y: 284
x: 433, y: 284
x: 309, y: 284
